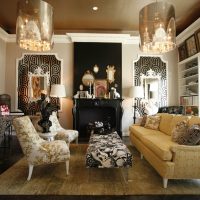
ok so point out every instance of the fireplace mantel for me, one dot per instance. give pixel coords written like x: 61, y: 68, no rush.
x: 90, y: 110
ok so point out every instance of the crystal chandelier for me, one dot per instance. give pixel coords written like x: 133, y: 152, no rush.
x: 157, y: 28
x: 34, y: 26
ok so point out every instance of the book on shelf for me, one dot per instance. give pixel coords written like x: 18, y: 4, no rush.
x: 196, y: 100
x: 186, y: 100
x: 189, y: 100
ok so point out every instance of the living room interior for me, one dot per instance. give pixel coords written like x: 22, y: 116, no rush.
x: 105, y: 80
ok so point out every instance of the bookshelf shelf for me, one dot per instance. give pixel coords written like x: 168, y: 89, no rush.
x: 188, y: 71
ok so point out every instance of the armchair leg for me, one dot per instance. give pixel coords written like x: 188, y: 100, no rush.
x: 67, y: 167
x: 30, y: 167
x: 77, y: 140
x: 165, y: 181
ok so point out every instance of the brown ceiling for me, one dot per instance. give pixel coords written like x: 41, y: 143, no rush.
x: 120, y: 16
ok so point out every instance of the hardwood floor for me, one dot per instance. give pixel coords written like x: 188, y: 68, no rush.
x: 10, y: 152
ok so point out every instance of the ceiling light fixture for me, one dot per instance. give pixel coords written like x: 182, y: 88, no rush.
x: 94, y: 8
x: 34, y: 26
x: 157, y: 27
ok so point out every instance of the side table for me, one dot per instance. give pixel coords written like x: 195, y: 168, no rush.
x: 48, y: 136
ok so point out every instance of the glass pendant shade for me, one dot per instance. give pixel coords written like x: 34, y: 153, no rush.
x: 34, y: 26
x: 157, y: 28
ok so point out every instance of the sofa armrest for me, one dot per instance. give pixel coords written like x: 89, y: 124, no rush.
x: 178, y: 148
x: 187, y: 161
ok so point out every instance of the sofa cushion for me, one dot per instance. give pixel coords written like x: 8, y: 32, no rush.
x: 180, y: 129
x: 194, y: 120
x: 160, y: 144
x: 152, y: 122
x: 144, y: 119
x: 140, y: 131
x: 165, y: 122
x: 191, y: 136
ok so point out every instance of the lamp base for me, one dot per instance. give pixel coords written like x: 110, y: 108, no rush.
x: 134, y: 116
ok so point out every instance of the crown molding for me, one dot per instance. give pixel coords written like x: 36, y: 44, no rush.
x: 103, y: 37
x: 61, y: 39
x: 82, y: 37
x: 188, y: 32
x: 12, y: 37
x: 3, y: 35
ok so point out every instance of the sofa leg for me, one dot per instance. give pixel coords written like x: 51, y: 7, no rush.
x: 30, y: 167
x: 165, y: 181
x: 141, y: 156
x: 67, y: 167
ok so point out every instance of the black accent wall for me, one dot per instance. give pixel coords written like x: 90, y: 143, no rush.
x: 86, y: 55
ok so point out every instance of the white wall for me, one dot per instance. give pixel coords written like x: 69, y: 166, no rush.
x: 129, y: 54
x: 172, y: 75
x: 2, y: 65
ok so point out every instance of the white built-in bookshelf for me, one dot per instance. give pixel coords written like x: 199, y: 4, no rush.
x: 188, y: 71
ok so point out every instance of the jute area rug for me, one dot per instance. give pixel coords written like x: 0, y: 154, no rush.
x: 51, y: 179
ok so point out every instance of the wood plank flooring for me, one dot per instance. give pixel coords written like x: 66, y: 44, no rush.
x: 10, y: 152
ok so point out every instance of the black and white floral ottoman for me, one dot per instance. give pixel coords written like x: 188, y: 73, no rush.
x: 107, y: 151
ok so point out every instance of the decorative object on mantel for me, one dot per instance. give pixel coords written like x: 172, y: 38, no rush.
x: 34, y: 26
x: 88, y: 80
x: 114, y: 94
x: 93, y: 57
x: 157, y: 27
x: 110, y: 73
x: 136, y: 92
x: 100, y: 88
x: 81, y: 87
x: 96, y: 68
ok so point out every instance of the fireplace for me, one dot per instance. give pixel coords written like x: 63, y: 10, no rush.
x: 87, y: 111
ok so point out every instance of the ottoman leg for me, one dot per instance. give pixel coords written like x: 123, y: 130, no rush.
x: 125, y: 174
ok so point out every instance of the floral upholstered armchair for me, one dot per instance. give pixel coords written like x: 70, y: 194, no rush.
x: 37, y: 150
x: 67, y: 135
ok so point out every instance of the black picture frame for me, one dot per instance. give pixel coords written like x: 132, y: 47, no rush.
x: 191, y: 45
x: 197, y: 37
x: 182, y: 51
x: 83, y: 94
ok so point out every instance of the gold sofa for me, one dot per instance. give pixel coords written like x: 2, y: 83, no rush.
x: 169, y: 159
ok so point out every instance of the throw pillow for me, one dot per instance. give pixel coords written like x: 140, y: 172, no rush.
x: 144, y: 119
x: 191, y: 136
x: 152, y: 122
x: 180, y: 129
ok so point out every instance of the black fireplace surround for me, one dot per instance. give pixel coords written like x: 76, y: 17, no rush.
x: 87, y: 111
